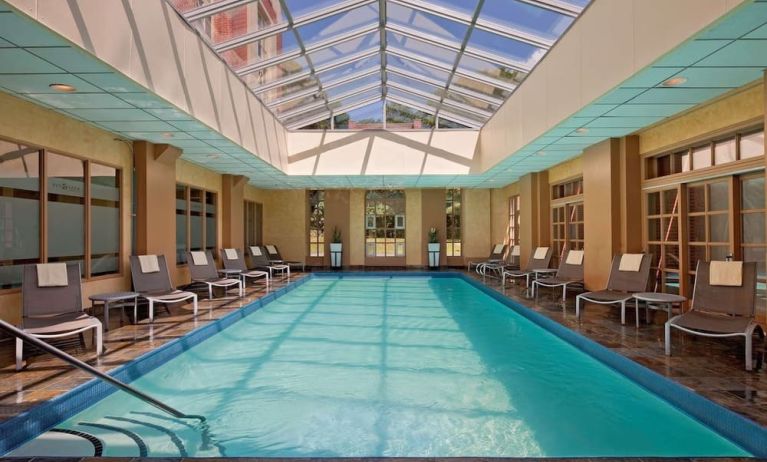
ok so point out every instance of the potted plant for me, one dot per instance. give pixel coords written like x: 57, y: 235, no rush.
x: 336, y: 249
x: 433, y: 248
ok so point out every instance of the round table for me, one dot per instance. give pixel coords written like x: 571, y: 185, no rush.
x: 116, y: 299
x: 658, y: 301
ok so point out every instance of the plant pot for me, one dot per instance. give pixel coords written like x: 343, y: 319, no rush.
x: 336, y: 254
x: 433, y: 249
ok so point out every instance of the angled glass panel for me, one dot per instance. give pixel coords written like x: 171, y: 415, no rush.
x: 445, y: 123
x: 296, y: 103
x: 261, y: 50
x: 366, y: 117
x: 340, y: 72
x: 469, y: 101
x: 317, y: 112
x: 492, y: 70
x: 426, y: 23
x: 462, y: 7
x: 343, y: 49
x: 189, y: 5
x: 461, y: 114
x: 321, y: 125
x: 508, y: 49
x: 277, y: 72
x: 241, y: 20
x: 407, y: 96
x: 416, y: 85
x: 408, y: 65
x: 339, y: 24
x: 401, y: 117
x: 476, y: 86
x: 300, y: 8
x: 334, y: 92
x: 418, y: 47
x: 525, y: 17
x: 284, y: 91
x: 358, y: 98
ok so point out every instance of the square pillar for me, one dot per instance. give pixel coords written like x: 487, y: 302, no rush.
x: 233, y: 211
x: 534, y: 224
x: 337, y: 214
x: 630, y: 195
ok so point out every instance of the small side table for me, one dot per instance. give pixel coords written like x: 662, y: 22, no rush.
x: 658, y: 301
x: 113, y: 300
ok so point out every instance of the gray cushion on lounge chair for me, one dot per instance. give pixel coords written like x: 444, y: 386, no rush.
x: 61, y: 323
x: 713, y: 322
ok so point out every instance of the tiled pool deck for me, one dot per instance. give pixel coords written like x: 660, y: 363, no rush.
x: 713, y: 368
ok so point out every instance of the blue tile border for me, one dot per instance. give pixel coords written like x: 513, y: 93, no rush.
x: 740, y: 430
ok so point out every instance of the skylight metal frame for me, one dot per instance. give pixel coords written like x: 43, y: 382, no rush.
x: 494, y: 67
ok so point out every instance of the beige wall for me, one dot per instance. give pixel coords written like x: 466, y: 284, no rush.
x: 414, y: 227
x: 378, y: 152
x: 476, y: 223
x: 31, y: 124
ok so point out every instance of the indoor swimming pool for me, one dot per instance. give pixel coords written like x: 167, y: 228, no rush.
x: 386, y: 366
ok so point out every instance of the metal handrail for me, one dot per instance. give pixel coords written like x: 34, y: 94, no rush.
x: 14, y: 331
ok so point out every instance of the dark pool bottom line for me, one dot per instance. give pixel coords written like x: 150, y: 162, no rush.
x: 747, y: 434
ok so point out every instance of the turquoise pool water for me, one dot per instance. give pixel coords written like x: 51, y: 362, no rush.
x: 409, y: 366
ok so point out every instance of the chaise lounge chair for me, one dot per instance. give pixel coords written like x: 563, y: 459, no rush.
x: 273, y: 253
x: 496, y: 256
x: 723, y: 302
x: 569, y: 274
x: 202, y: 269
x: 52, y: 305
x: 629, y: 274
x: 539, y: 260
x: 511, y: 263
x: 152, y: 280
x: 234, y: 261
x: 260, y: 261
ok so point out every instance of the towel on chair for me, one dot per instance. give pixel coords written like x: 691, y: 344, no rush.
x: 199, y: 258
x: 271, y: 249
x: 52, y: 275
x: 231, y: 254
x: 515, y: 251
x: 726, y: 273
x: 149, y: 263
x: 540, y: 253
x: 256, y: 250
x: 574, y: 257
x: 631, y: 262
x: 497, y: 249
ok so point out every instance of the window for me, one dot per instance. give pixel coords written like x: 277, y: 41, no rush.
x: 71, y: 184
x: 567, y: 226
x: 316, y: 223
x: 105, y: 220
x: 385, y: 223
x: 19, y: 211
x: 718, y: 152
x: 663, y: 238
x: 752, y: 242
x: 196, y: 221
x: 453, y: 223
x: 252, y: 224
x: 514, y: 220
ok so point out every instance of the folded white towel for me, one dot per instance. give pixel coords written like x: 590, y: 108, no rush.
x: 231, y: 254
x: 255, y: 250
x: 271, y: 249
x: 149, y: 263
x: 726, y: 273
x: 199, y: 258
x: 52, y: 275
x: 515, y: 251
x: 631, y: 262
x: 574, y: 257
x: 540, y: 253
x: 497, y: 249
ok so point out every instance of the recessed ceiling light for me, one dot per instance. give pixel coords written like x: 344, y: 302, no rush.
x: 541, y: 153
x: 213, y: 156
x: 582, y: 130
x: 675, y: 81
x: 63, y: 87
x: 167, y: 135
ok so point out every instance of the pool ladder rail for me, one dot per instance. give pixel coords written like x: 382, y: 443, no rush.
x: 16, y: 332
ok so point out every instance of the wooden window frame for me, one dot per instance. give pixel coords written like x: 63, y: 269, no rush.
x: 386, y: 228
x: 319, y: 243
x: 513, y: 227
x: 203, y: 217
x: 450, y: 204
x: 565, y: 201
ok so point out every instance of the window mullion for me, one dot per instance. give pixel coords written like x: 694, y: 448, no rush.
x: 87, y: 219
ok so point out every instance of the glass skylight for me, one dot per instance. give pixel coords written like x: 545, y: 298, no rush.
x: 450, y: 63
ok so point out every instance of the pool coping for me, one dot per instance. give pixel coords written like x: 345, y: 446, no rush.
x: 745, y: 433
